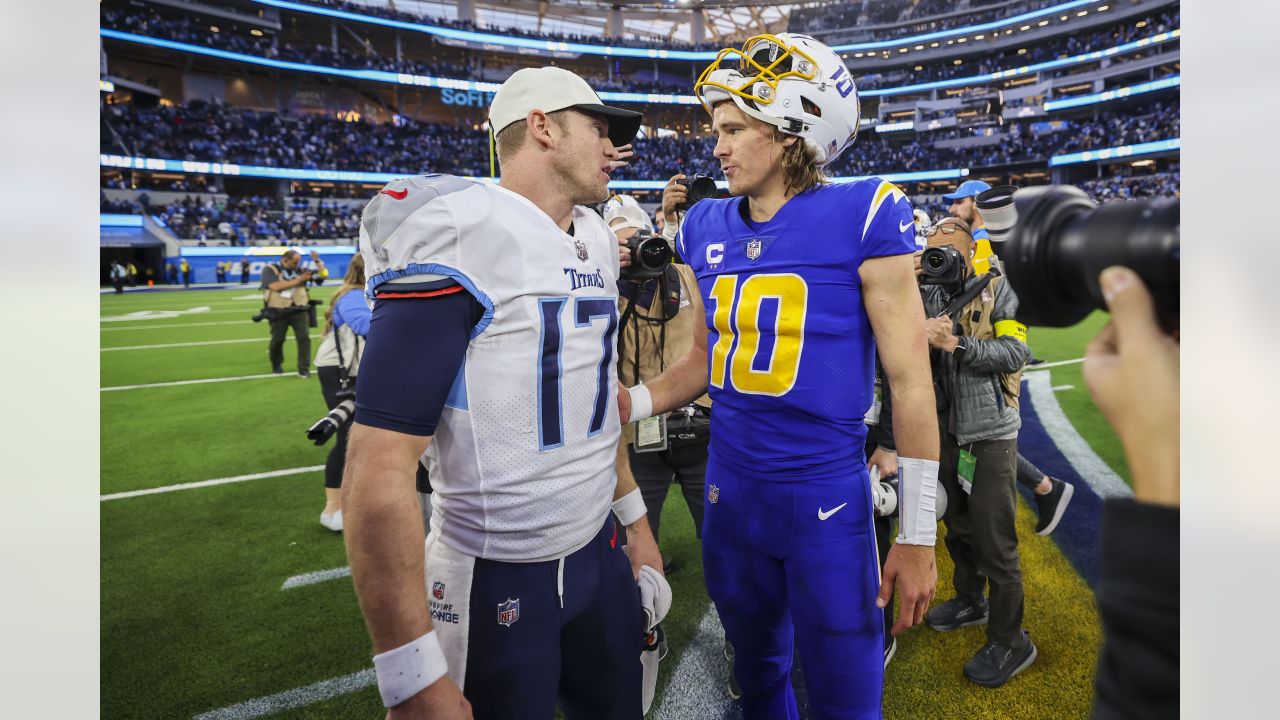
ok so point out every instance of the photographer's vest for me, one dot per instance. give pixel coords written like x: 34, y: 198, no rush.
x: 975, y: 320
x: 291, y: 298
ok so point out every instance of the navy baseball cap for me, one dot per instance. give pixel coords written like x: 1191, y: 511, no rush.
x: 968, y: 188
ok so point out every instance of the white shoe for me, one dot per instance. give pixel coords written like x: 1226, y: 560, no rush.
x: 332, y: 522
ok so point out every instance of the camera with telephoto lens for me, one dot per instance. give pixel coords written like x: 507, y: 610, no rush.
x: 650, y: 256
x: 1056, y: 242
x: 700, y: 187
x: 312, y: 321
x: 328, y: 426
x: 943, y: 266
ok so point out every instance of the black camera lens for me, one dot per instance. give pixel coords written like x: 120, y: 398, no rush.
x: 1062, y: 242
x: 700, y: 187
x: 943, y: 266
x: 650, y: 255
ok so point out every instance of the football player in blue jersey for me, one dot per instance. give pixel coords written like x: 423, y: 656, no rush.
x: 804, y: 282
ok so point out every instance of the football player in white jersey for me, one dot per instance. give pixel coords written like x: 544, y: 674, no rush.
x: 492, y: 348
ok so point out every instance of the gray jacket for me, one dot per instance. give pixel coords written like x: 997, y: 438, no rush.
x: 971, y: 401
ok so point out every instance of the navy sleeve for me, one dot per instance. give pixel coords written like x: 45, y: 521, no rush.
x: 416, y: 345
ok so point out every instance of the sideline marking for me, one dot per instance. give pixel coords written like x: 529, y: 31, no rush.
x: 168, y: 317
x: 194, y: 382
x: 295, y: 698
x: 210, y: 483
x: 197, y: 344
x: 1060, y: 363
x: 175, y: 325
x: 155, y: 314
x: 1074, y: 448
x: 318, y: 576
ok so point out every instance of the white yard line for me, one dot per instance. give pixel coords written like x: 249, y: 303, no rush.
x: 178, y: 325
x: 210, y: 483
x: 197, y: 344
x: 318, y: 576
x: 1060, y: 388
x: 193, y: 382
x: 1086, y: 462
x: 1060, y: 363
x: 171, y: 314
x: 296, y: 698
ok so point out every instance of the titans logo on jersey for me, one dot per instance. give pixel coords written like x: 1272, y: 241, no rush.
x: 790, y: 349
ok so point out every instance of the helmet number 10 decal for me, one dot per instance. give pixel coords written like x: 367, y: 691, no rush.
x: 843, y: 81
x: 759, y: 324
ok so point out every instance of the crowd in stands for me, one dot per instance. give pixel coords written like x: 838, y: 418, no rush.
x: 218, y: 133
x: 387, y: 12
x: 835, y: 17
x: 1063, y: 46
x: 205, y: 131
x: 1134, y: 187
x: 149, y: 22
x: 241, y: 219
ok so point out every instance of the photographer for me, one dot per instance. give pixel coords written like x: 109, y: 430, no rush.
x: 285, y: 305
x: 337, y: 363
x: 977, y: 360
x: 656, y: 327
x: 1052, y: 495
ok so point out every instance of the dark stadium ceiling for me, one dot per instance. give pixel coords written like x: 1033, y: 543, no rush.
x: 725, y: 20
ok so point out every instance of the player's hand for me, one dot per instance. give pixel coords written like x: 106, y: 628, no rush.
x: 625, y: 153
x: 912, y: 571
x: 1131, y: 369
x: 885, y: 460
x: 441, y: 700
x: 673, y: 194
x: 642, y: 549
x: 624, y: 404
x: 939, y: 331
x: 624, y: 254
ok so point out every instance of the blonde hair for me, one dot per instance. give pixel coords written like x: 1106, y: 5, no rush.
x: 800, y: 169
x: 353, y: 280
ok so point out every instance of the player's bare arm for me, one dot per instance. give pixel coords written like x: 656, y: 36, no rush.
x: 642, y: 548
x: 680, y: 384
x: 892, y: 300
x: 384, y: 538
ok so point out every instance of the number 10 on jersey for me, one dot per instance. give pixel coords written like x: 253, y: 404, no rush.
x: 753, y: 360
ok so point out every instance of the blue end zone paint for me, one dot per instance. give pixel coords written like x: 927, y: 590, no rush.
x: 1077, y: 534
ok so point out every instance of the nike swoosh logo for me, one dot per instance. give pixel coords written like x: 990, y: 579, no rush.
x: 824, y: 515
x: 901, y: 228
x: 397, y: 194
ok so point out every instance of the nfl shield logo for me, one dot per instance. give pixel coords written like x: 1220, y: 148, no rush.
x: 437, y: 590
x: 713, y: 494
x: 508, y: 612
x: 753, y: 249
x: 582, y: 250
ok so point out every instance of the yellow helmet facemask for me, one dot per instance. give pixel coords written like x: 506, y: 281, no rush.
x: 793, y: 62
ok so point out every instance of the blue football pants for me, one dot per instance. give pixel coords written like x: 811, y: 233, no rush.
x: 787, y: 569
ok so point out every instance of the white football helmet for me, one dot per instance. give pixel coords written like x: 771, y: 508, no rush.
x: 792, y: 82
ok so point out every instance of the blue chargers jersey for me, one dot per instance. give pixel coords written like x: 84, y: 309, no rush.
x: 791, y: 357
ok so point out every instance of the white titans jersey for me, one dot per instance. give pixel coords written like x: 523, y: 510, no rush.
x: 522, y: 464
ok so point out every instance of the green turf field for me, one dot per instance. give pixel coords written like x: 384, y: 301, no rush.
x: 193, y: 616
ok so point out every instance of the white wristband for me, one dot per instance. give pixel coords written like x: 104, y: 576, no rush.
x: 630, y: 507
x: 641, y: 402
x: 917, y: 495
x: 410, y: 668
